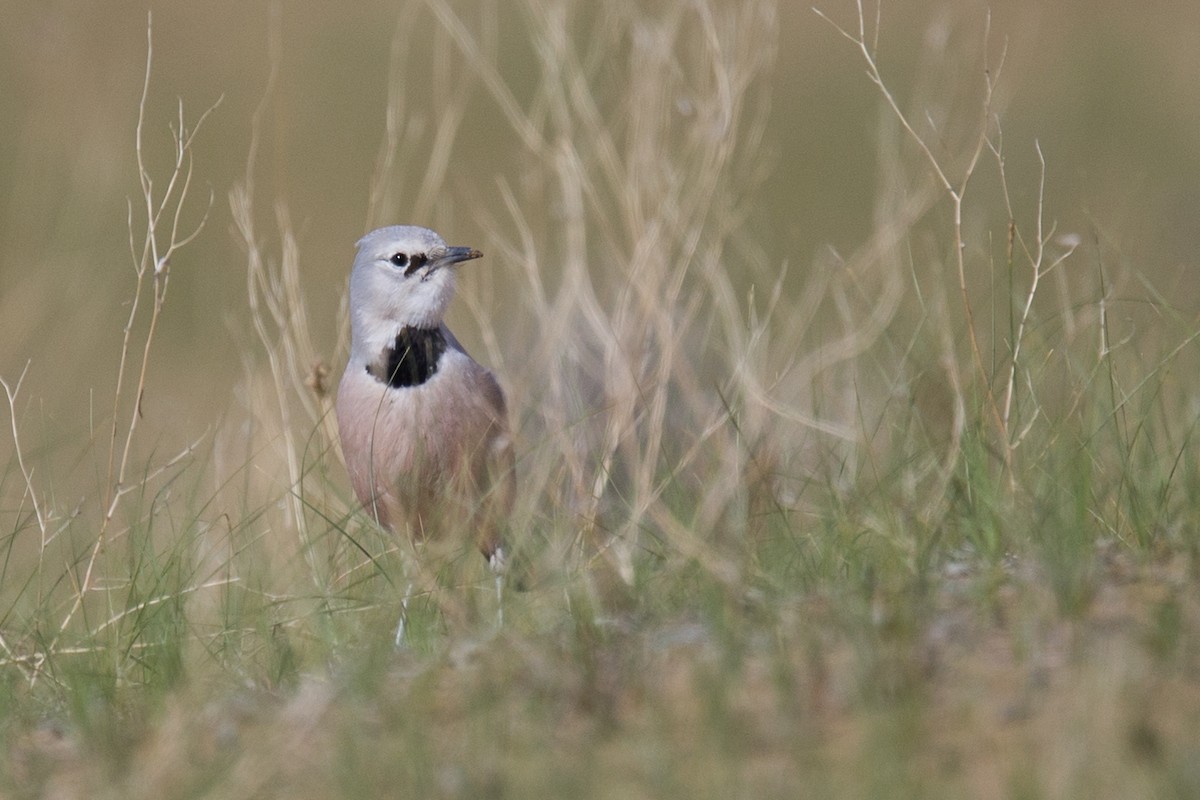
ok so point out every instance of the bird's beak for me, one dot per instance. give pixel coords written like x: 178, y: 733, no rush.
x: 454, y: 255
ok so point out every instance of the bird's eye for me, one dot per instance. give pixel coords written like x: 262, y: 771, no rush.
x: 409, y: 264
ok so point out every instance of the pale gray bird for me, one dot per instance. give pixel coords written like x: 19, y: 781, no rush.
x: 424, y: 426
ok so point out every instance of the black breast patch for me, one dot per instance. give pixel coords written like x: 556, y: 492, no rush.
x: 411, y: 360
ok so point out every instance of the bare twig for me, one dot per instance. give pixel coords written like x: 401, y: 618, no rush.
x: 151, y: 262
x: 955, y: 188
x: 1037, y: 272
x: 11, y: 392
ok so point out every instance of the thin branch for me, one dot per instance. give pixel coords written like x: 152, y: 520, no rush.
x: 956, y: 190
x: 11, y: 392
x: 155, y: 257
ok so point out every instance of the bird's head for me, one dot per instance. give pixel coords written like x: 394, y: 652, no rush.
x: 403, y: 276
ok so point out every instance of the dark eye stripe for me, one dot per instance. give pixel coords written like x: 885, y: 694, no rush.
x: 409, y: 264
x: 415, y: 262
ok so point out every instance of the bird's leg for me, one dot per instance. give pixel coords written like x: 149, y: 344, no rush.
x: 499, y: 600
x: 403, y: 617
x: 497, y: 564
x: 405, y: 566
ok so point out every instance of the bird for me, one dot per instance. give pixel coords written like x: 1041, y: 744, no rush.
x: 423, y: 426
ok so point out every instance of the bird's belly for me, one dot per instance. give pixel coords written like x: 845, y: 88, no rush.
x: 411, y: 448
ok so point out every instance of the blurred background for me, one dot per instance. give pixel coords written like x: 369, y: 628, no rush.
x: 1107, y: 88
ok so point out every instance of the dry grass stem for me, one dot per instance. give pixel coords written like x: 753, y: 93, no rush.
x: 151, y: 268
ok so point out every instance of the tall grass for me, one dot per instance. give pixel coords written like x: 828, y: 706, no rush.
x: 82, y: 541
x: 911, y: 519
